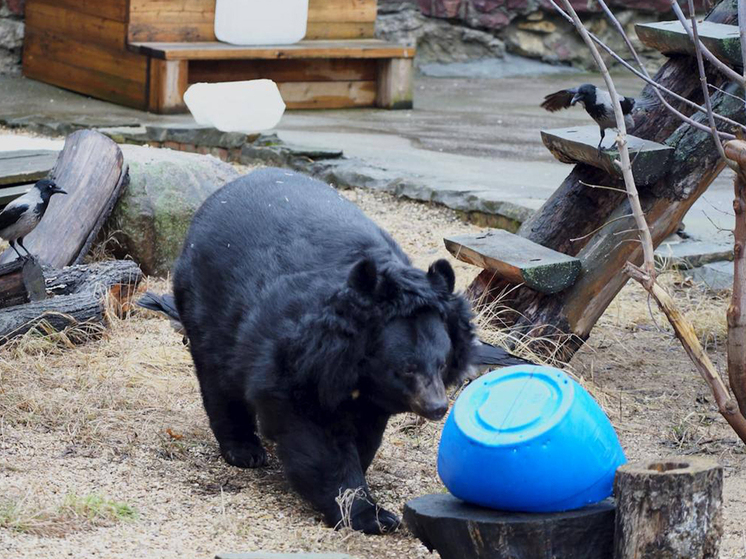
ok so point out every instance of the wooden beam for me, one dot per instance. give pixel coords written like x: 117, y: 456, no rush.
x: 328, y: 95
x: 670, y: 37
x: 280, y: 71
x: 395, y: 83
x: 169, y: 80
x: 362, y: 48
x: 336, y: 30
x: 650, y: 160
x: 10, y: 193
x: 516, y: 260
x: 25, y: 166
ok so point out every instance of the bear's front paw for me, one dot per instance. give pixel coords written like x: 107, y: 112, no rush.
x: 245, y: 456
x: 376, y: 521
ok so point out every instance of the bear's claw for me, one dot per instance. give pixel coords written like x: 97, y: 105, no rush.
x: 376, y: 521
x: 246, y: 457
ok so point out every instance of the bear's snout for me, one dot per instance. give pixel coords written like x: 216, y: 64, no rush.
x: 430, y: 400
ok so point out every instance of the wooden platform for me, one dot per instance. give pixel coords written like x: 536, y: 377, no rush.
x: 19, y: 170
x: 670, y: 37
x: 516, y: 260
x: 650, y: 161
x: 145, y: 53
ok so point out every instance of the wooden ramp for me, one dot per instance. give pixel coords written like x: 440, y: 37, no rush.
x: 670, y: 37
x: 516, y: 260
x: 650, y: 160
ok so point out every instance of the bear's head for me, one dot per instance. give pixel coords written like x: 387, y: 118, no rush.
x: 398, y: 337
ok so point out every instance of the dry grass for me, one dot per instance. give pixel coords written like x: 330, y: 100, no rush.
x: 121, y: 417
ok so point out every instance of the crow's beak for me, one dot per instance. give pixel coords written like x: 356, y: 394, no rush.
x: 57, y: 190
x: 575, y: 99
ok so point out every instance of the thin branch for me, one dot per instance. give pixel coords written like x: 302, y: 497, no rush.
x: 647, y: 79
x: 698, y: 48
x: 621, y: 140
x: 597, y: 229
x: 742, y: 33
x: 589, y: 185
x: 720, y: 65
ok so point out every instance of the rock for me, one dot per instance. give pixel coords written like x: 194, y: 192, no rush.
x: 717, y: 276
x: 196, y: 135
x: 457, y: 530
x: 268, y: 555
x: 541, y: 26
x: 437, y: 40
x: 165, y: 189
x: 692, y: 254
x: 11, y: 34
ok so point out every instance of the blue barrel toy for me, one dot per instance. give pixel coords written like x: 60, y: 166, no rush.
x: 528, y: 439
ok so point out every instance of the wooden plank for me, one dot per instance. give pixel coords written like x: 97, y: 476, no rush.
x: 395, y: 83
x: 21, y: 281
x: 172, y: 20
x: 66, y: 22
x: 328, y: 95
x: 25, y: 166
x: 340, y: 30
x: 68, y: 50
x: 212, y: 71
x: 91, y: 169
x: 650, y: 160
x: 104, y: 86
x: 169, y: 80
x: 670, y: 37
x: 516, y: 260
x: 363, y: 48
x: 117, y: 10
x: 328, y: 11
x: 167, y: 31
x: 10, y: 193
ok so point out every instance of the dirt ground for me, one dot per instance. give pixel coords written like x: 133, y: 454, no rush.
x: 105, y: 449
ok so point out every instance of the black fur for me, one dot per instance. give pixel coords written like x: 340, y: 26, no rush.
x: 307, y: 318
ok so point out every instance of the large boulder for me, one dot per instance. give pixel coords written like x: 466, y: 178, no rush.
x: 166, y: 187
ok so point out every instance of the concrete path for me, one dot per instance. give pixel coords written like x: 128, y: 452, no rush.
x: 466, y: 139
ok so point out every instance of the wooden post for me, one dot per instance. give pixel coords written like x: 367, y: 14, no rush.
x: 395, y: 83
x: 670, y: 508
x: 21, y: 281
x: 169, y: 80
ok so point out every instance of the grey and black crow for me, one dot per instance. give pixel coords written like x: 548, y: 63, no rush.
x: 487, y: 356
x: 23, y: 214
x: 597, y: 104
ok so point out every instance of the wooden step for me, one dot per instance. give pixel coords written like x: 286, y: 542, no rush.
x: 670, y: 37
x: 25, y: 166
x: 650, y: 161
x: 10, y: 193
x: 516, y: 259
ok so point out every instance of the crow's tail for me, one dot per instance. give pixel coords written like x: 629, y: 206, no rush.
x: 491, y: 356
x: 164, y: 304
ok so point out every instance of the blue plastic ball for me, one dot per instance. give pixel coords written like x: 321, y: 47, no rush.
x: 528, y: 439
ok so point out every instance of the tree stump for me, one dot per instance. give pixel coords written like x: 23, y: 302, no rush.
x: 669, y: 509
x: 21, y: 281
x: 458, y: 530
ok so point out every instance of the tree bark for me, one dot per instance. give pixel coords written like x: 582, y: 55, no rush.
x: 84, y: 297
x: 21, y: 281
x: 574, y: 219
x: 670, y: 508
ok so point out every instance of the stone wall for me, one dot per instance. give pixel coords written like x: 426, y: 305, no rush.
x: 11, y: 36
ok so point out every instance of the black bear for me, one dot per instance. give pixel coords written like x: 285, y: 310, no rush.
x: 307, y: 322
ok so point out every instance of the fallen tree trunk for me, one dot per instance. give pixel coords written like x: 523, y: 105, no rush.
x: 596, y: 225
x: 85, y: 296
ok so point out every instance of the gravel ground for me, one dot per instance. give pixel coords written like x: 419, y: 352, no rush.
x: 120, y: 419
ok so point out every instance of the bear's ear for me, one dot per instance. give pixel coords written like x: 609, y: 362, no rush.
x: 441, y: 272
x: 363, y: 276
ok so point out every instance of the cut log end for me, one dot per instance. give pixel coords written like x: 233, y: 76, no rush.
x: 21, y: 281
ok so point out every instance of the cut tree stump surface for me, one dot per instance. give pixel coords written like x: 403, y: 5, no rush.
x: 670, y: 37
x: 650, y: 160
x: 458, y: 530
x: 516, y: 259
x: 26, y: 166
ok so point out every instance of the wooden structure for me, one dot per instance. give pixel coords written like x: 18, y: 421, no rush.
x: 145, y: 53
x: 457, y: 530
x: 19, y: 170
x: 670, y: 508
x: 595, y: 225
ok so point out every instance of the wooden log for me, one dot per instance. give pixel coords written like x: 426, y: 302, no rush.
x: 169, y: 80
x: 21, y: 282
x: 85, y: 296
x: 91, y: 169
x: 516, y: 260
x: 670, y: 37
x: 670, y: 508
x: 395, y: 83
x: 25, y: 166
x: 594, y: 224
x: 650, y: 161
x: 457, y: 530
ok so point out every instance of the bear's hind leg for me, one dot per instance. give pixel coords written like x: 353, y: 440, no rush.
x: 322, y: 464
x: 370, y: 428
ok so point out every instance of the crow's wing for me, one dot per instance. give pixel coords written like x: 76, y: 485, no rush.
x: 487, y: 354
x: 559, y: 100
x: 11, y: 214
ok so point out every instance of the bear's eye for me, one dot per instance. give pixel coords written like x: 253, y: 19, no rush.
x: 410, y: 371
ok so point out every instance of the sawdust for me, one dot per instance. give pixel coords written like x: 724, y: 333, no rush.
x: 120, y: 418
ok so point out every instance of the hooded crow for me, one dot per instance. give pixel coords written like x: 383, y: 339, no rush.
x: 597, y: 104
x: 487, y: 356
x: 23, y: 214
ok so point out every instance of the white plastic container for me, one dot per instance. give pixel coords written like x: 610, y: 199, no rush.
x: 248, y: 107
x: 261, y: 22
